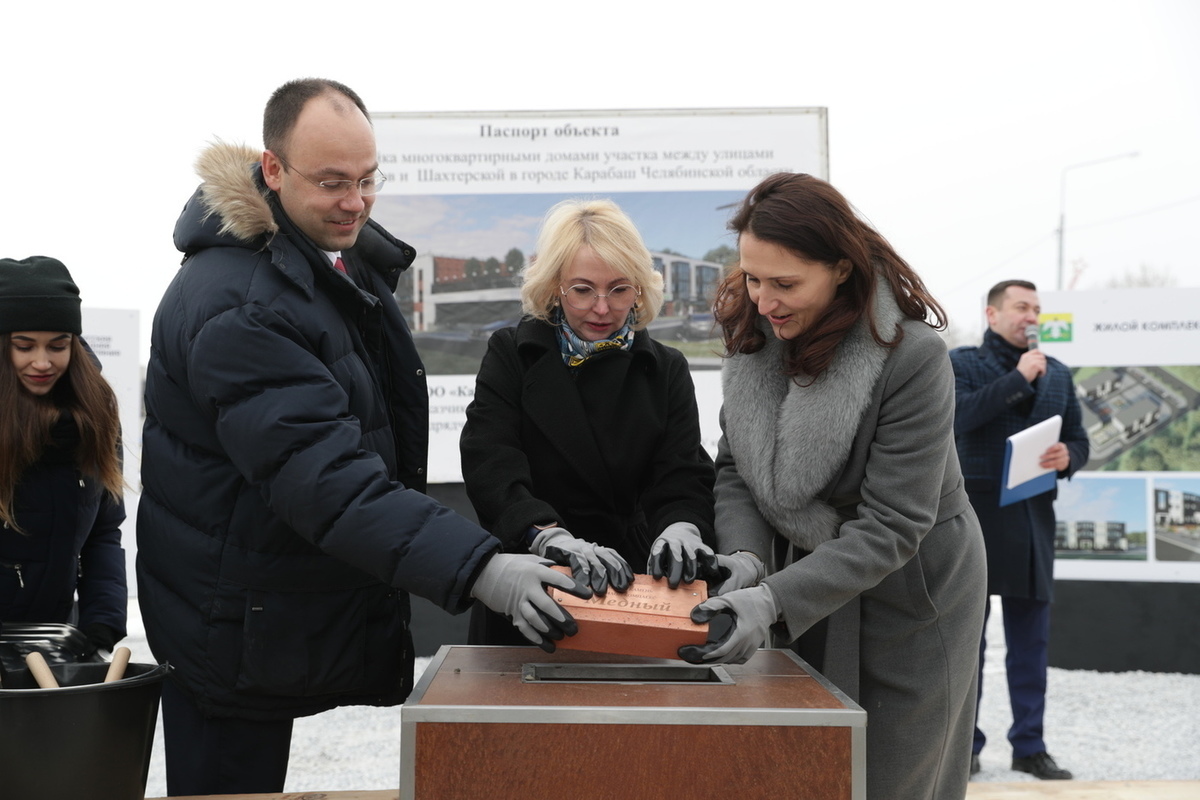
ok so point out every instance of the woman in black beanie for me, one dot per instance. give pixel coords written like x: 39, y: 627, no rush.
x: 61, y: 485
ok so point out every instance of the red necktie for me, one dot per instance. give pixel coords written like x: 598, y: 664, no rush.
x: 338, y: 265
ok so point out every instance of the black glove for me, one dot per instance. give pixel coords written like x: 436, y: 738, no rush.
x: 101, y: 636
x: 754, y: 611
x: 676, y: 552
x: 590, y: 563
x: 728, y: 573
x: 514, y: 584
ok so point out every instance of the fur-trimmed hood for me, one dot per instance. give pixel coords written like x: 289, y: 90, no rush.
x: 233, y: 207
x: 231, y: 203
x: 791, y: 442
x: 233, y: 190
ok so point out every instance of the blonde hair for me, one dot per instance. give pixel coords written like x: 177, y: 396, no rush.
x: 604, y: 227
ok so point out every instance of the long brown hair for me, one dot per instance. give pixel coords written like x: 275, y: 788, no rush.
x: 811, y: 219
x: 28, y: 419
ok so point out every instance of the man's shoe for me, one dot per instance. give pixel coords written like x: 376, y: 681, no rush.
x: 975, y: 764
x: 1041, y: 765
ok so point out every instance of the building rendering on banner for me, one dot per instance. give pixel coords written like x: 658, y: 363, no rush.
x: 1123, y: 406
x: 1090, y: 535
x: 1175, y: 508
x: 448, y: 294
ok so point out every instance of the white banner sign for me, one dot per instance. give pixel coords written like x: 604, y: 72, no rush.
x: 596, y: 151
x: 469, y: 190
x: 113, y: 336
x: 1134, y: 512
x: 1118, y: 327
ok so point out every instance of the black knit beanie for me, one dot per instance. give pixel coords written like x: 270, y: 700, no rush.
x: 37, y: 294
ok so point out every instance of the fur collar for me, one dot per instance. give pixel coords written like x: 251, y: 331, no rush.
x: 234, y: 207
x: 231, y: 192
x: 791, y: 442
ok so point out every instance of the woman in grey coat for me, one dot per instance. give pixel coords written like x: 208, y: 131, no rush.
x: 841, y: 513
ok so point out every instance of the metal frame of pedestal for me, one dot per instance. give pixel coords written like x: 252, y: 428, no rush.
x: 413, y: 713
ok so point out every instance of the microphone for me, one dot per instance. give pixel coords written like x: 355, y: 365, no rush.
x: 1031, y: 336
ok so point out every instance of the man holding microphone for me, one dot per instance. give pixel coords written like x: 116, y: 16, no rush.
x: 1003, y: 387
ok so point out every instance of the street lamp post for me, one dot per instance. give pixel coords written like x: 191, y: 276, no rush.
x: 1062, y: 204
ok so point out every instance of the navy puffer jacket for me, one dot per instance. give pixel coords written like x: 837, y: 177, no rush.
x: 282, y: 522
x: 69, y: 544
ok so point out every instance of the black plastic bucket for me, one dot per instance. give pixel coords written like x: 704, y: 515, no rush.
x: 87, y: 739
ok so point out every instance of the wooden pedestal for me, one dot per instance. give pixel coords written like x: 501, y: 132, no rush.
x: 514, y: 722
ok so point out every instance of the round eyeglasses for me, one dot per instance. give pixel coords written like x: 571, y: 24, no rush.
x: 582, y: 297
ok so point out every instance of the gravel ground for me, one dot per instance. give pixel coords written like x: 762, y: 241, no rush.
x: 1127, y: 726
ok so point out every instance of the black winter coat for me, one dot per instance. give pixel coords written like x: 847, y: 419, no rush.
x: 282, y: 525
x: 610, y: 450
x: 992, y: 402
x: 71, y: 543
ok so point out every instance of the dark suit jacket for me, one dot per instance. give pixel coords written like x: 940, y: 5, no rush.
x: 992, y: 402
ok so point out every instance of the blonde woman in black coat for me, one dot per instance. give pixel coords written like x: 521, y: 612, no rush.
x: 60, y: 471
x: 582, y: 443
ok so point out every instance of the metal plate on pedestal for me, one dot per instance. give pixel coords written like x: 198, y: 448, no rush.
x: 624, y: 673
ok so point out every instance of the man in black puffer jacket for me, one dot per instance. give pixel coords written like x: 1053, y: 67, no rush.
x: 282, y: 523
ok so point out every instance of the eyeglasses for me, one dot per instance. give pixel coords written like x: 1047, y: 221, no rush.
x: 582, y: 297
x: 366, y: 186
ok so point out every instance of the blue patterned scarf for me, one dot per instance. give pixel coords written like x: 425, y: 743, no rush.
x: 575, y: 351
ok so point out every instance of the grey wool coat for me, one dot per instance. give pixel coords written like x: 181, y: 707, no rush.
x: 856, y: 480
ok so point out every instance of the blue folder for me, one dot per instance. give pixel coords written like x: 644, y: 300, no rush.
x: 1032, y: 487
x: 1026, y: 490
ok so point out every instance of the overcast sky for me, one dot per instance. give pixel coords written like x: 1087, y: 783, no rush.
x: 950, y: 123
x: 1100, y: 497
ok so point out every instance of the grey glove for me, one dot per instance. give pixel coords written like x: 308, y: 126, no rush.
x: 591, y: 564
x: 728, y: 573
x: 674, y: 553
x: 754, y: 611
x: 514, y: 584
